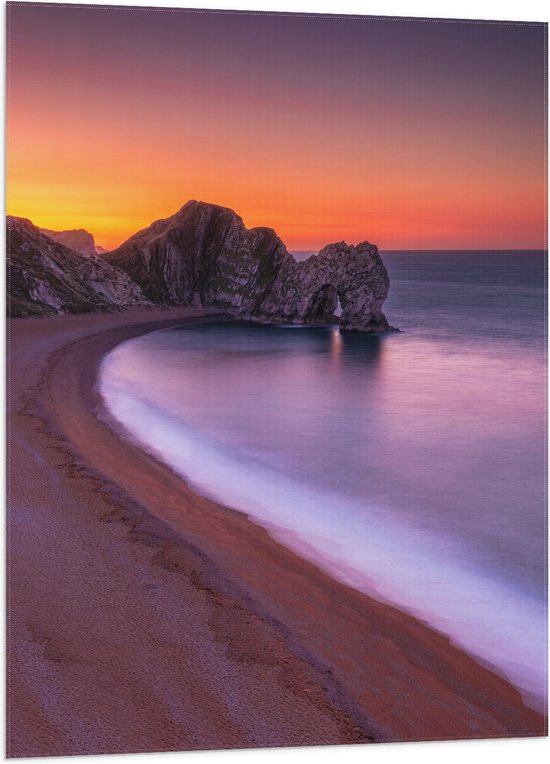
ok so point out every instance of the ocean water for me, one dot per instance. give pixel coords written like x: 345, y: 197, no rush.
x: 410, y: 465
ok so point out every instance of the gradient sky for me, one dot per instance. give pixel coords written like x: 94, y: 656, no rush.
x: 411, y: 134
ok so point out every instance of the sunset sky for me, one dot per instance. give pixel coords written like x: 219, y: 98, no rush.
x: 411, y: 134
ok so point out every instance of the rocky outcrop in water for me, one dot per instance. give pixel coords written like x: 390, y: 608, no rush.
x: 45, y: 277
x: 204, y: 255
x: 309, y: 292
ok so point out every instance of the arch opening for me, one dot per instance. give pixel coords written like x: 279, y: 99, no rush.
x: 323, y: 305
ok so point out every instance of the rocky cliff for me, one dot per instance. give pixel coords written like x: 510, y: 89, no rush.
x: 47, y: 278
x: 79, y: 240
x: 204, y: 255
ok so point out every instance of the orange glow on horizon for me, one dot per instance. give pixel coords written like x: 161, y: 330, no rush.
x: 406, y: 158
x: 423, y: 222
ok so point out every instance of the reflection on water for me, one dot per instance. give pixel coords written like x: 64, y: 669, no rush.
x: 337, y: 344
x: 367, y: 347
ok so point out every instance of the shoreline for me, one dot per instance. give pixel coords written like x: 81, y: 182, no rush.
x: 301, y: 658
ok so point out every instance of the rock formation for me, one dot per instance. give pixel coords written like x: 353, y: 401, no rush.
x: 79, y: 240
x: 47, y: 278
x: 308, y: 292
x: 204, y: 255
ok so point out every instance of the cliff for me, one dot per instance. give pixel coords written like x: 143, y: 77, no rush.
x: 79, y: 240
x: 204, y: 255
x: 45, y: 277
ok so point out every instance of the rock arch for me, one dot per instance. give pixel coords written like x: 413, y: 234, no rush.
x: 309, y: 291
x: 321, y: 305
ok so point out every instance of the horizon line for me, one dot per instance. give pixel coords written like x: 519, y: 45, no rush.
x: 313, y: 250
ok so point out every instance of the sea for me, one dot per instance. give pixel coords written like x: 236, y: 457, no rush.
x: 409, y: 465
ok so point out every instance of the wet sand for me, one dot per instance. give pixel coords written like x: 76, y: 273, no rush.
x: 145, y: 618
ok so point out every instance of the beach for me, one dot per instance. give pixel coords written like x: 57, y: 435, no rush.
x: 143, y: 617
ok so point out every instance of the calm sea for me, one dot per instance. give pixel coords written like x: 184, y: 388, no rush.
x: 410, y: 465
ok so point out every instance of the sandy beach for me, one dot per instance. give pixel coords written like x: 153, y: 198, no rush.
x: 143, y: 617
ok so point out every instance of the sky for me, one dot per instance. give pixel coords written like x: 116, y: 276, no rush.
x: 411, y: 134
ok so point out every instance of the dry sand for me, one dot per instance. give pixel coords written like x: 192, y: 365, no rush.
x: 145, y: 618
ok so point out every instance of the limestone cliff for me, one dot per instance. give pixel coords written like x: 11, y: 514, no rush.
x: 45, y: 277
x: 204, y: 255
